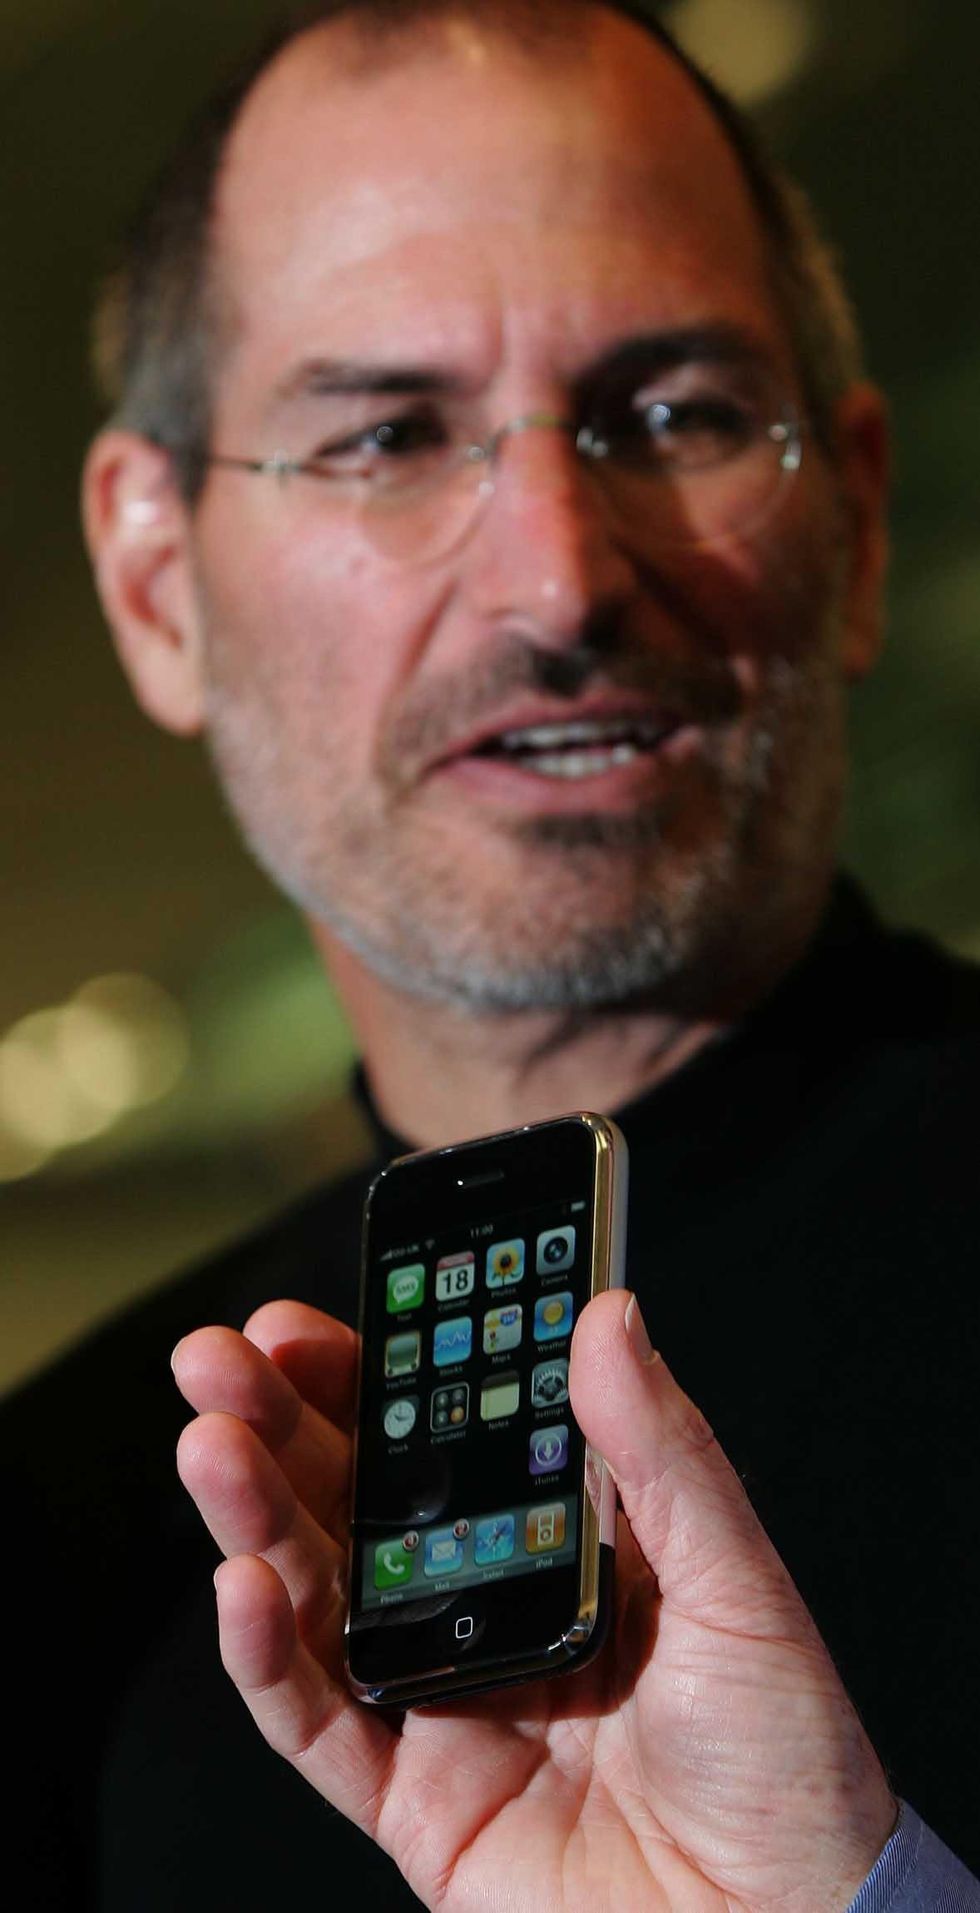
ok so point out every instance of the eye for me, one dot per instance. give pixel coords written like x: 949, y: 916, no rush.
x: 708, y: 426
x: 661, y: 427
x: 692, y: 432
x: 391, y: 449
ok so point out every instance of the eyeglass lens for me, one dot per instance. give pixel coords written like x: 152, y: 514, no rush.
x: 651, y: 508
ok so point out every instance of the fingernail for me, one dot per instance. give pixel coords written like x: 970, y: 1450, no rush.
x: 639, y: 1339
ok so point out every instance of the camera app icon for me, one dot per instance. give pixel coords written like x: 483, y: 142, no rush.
x: 556, y: 1250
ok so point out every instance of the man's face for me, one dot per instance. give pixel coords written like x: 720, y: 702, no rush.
x: 506, y: 230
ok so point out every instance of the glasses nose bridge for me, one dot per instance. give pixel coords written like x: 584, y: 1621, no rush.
x: 486, y: 457
x: 538, y: 421
x: 564, y: 518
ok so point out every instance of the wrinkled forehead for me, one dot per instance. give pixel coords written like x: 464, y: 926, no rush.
x: 364, y: 194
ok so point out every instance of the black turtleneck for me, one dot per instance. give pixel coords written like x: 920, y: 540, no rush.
x: 803, y: 1237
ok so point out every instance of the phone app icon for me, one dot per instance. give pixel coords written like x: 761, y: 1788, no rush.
x: 443, y: 1552
x: 502, y: 1328
x: 406, y: 1287
x: 553, y: 1316
x: 548, y: 1450
x: 555, y: 1250
x: 549, y: 1383
x: 455, y: 1276
x: 400, y: 1417
x: 452, y: 1341
x: 494, y: 1540
x: 544, y: 1528
x: 449, y: 1408
x: 392, y: 1564
x: 500, y: 1395
x: 403, y: 1354
x: 505, y: 1263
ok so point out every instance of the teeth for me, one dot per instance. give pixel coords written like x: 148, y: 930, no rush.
x: 550, y: 737
x: 570, y: 764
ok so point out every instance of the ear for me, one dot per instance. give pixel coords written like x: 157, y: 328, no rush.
x: 138, y: 530
x: 863, y: 470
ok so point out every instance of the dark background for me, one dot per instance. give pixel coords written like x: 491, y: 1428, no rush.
x: 117, y: 856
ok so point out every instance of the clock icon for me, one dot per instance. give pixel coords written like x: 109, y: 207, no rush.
x: 399, y: 1417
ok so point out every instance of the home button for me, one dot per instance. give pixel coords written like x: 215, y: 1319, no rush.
x: 464, y: 1627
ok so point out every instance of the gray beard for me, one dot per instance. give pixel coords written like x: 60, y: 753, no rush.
x: 680, y: 943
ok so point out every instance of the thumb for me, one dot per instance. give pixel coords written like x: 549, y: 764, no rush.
x: 687, y: 1509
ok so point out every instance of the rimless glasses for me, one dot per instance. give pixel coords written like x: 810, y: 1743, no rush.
x: 686, y: 458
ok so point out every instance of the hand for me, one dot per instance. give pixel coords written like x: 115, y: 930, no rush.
x: 709, y: 1758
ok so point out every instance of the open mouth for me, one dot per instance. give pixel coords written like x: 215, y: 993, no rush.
x: 582, y: 748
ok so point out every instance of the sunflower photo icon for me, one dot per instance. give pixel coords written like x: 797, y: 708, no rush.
x: 505, y: 1263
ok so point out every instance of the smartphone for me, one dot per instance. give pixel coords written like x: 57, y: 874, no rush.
x: 482, y: 1525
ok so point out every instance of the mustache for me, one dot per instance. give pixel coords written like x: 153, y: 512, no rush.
x: 702, y: 691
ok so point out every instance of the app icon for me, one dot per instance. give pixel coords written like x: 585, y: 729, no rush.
x: 505, y: 1264
x: 548, y: 1450
x: 553, y: 1316
x: 400, y: 1417
x: 392, y: 1564
x: 449, y: 1408
x: 556, y: 1250
x: 455, y: 1276
x: 452, y: 1340
x: 500, y: 1395
x: 443, y: 1552
x: 406, y: 1287
x: 549, y: 1383
x: 493, y: 1540
x: 402, y: 1354
x: 502, y: 1328
x: 544, y: 1528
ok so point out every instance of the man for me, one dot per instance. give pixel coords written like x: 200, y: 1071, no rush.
x: 494, y: 484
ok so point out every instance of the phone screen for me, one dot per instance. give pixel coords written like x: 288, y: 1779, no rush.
x: 470, y: 1477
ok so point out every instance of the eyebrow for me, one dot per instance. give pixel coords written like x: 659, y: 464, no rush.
x: 645, y: 354
x: 716, y: 343
x: 323, y: 378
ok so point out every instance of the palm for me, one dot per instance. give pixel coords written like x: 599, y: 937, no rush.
x: 555, y: 1775
x: 694, y: 1764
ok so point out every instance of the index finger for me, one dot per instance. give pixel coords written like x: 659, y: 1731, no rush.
x: 314, y: 1351
x: 218, y: 1370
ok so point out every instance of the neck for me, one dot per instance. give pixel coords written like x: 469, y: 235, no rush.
x: 439, y: 1075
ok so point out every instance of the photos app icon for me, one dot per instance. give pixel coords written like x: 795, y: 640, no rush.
x: 505, y: 1263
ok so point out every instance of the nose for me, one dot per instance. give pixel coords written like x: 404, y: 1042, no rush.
x: 542, y: 558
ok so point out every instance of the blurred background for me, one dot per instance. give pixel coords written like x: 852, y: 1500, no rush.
x: 172, y: 1066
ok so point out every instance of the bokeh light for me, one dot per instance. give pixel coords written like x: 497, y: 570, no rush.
x: 753, y: 47
x: 68, y: 1073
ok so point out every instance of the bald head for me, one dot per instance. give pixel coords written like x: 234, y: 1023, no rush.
x: 336, y: 156
x: 162, y: 324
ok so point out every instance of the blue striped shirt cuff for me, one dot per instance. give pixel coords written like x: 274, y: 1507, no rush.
x: 917, y: 1874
